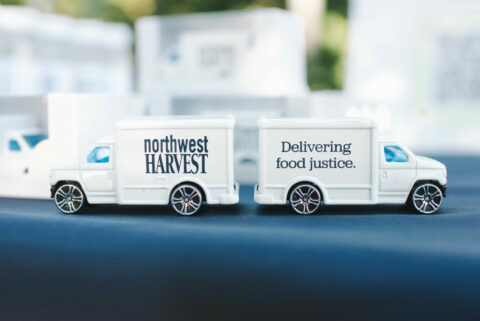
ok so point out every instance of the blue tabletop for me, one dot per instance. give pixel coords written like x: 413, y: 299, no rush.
x: 245, y: 262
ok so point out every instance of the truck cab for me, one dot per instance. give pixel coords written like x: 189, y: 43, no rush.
x: 90, y: 174
x: 401, y: 173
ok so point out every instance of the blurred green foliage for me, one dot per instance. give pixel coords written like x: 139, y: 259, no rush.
x: 325, y: 66
x: 186, y: 6
x: 338, y: 6
x: 12, y: 2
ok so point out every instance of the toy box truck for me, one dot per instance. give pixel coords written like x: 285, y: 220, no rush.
x: 153, y: 161
x: 306, y: 162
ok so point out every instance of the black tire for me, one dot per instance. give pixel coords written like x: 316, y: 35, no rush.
x: 186, y: 199
x: 69, y: 198
x: 305, y: 198
x: 426, y: 198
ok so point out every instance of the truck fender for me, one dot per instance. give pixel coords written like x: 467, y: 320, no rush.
x: 194, y: 180
x: 54, y: 187
x: 307, y: 179
x: 431, y: 175
x: 443, y: 187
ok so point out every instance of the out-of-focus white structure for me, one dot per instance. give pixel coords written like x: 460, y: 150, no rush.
x: 312, y: 12
x: 43, y: 53
x: 259, y: 52
x: 41, y: 131
x: 17, y: 67
x: 335, y: 104
x: 248, y: 63
x: 421, y: 58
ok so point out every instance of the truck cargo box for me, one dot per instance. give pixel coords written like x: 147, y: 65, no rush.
x: 156, y: 153
x: 339, y: 155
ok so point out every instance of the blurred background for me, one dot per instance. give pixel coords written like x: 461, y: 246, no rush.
x: 410, y: 65
x: 326, y: 23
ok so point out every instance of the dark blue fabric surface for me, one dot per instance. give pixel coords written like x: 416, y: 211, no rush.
x: 244, y: 262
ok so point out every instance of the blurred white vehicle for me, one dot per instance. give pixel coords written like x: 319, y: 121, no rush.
x: 18, y: 149
x: 38, y: 132
x: 308, y: 161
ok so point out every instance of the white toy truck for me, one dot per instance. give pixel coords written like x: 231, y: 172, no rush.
x: 307, y: 162
x: 153, y: 161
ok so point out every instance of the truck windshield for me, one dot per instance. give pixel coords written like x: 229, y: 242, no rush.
x: 99, y: 155
x: 395, y: 154
x: 33, y: 140
x: 14, y: 146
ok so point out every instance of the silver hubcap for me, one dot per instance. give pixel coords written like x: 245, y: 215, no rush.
x: 186, y: 199
x: 69, y: 198
x: 427, y: 198
x: 305, y: 199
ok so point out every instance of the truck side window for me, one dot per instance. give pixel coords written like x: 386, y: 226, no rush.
x: 33, y: 140
x: 99, y: 155
x: 14, y: 146
x: 395, y: 154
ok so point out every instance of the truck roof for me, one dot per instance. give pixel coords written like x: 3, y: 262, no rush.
x: 152, y: 122
x: 110, y: 139
x: 316, y: 123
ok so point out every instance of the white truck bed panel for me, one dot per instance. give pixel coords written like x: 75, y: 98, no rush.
x: 335, y: 155
x: 151, y: 161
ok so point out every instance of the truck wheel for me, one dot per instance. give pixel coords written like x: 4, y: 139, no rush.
x: 69, y: 198
x: 186, y: 199
x: 426, y: 198
x: 305, y: 199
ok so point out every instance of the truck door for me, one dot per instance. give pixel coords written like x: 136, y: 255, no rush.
x: 97, y: 170
x: 15, y: 157
x: 398, y: 169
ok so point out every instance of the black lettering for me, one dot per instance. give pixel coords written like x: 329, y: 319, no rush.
x: 160, y: 166
x: 166, y: 144
x: 169, y: 163
x: 150, y: 163
x: 191, y: 146
x: 195, y: 164
x: 155, y: 145
x: 186, y: 162
x: 204, y: 156
x: 182, y: 145
x: 147, y: 145
x: 205, y: 141
x: 178, y: 162
x: 173, y: 144
x: 200, y: 145
x: 283, y: 147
